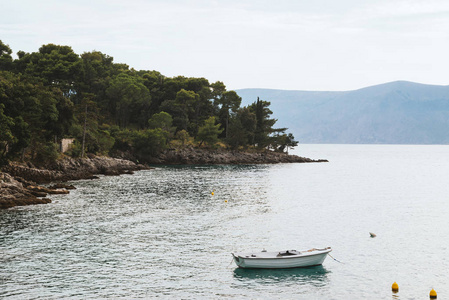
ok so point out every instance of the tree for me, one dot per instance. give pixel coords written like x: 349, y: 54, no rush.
x: 182, y: 109
x: 94, y: 138
x: 6, y: 61
x: 55, y: 65
x: 236, y: 134
x: 6, y: 136
x: 149, y: 142
x: 97, y: 71
x: 203, y: 108
x: 278, y: 140
x: 218, y: 89
x: 183, y: 136
x: 264, y: 125
x: 54, y: 93
x: 22, y: 133
x: 227, y: 103
x: 163, y: 121
x: 241, y: 128
x: 154, y: 81
x: 129, y: 100
x: 290, y: 142
x: 40, y: 113
x: 208, y: 133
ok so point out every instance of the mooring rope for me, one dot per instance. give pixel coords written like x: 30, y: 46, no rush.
x: 231, y: 262
x: 334, y: 258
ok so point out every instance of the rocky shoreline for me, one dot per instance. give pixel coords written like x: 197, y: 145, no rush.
x: 73, y: 169
x: 19, y: 184
x: 195, y: 156
x: 18, y: 192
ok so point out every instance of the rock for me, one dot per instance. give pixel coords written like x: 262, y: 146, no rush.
x: 74, y: 169
x: 23, y: 188
x: 14, y: 193
x: 112, y: 172
x: 203, y: 156
x: 38, y: 194
x: 58, y: 192
x: 62, y: 186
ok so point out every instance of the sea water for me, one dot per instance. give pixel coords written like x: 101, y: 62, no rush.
x: 161, y: 233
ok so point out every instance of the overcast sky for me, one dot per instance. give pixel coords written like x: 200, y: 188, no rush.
x: 281, y: 44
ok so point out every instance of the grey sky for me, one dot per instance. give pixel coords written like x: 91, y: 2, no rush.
x: 296, y: 44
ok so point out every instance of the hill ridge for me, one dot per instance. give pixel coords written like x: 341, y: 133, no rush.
x: 397, y: 112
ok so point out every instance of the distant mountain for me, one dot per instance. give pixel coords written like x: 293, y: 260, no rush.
x: 398, y: 112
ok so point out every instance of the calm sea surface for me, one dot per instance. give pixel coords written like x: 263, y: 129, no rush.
x: 160, y: 233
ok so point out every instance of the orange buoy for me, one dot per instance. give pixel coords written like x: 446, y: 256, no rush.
x: 433, y: 294
x: 395, y: 287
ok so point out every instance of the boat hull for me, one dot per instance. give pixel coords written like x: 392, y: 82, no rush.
x: 308, y: 259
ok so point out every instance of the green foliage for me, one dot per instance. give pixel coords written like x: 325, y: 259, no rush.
x: 40, y: 113
x: 237, y: 135
x: 129, y: 100
x: 22, y: 135
x: 104, y: 142
x: 6, y: 61
x: 123, y: 140
x: 75, y: 149
x: 45, y: 153
x: 55, y: 65
x: 208, y: 133
x: 149, y: 142
x: 54, y: 93
x: 161, y: 120
x: 282, y: 142
x: 182, y: 136
x: 6, y: 136
x: 290, y: 141
x: 164, y: 122
x: 264, y: 125
x: 186, y: 102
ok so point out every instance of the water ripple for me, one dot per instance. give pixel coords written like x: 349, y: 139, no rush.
x: 161, y: 233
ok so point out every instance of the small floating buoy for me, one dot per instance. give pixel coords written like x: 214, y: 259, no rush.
x: 372, y: 234
x: 212, y: 193
x: 226, y: 201
x: 433, y: 294
x: 395, y: 287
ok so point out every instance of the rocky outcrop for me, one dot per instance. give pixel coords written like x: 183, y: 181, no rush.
x: 189, y: 156
x: 73, y: 169
x: 20, y: 187
x: 16, y: 193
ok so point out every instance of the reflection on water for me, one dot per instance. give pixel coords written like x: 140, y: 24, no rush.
x: 316, y: 276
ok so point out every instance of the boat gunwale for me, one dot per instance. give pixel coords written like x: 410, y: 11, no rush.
x: 313, y: 253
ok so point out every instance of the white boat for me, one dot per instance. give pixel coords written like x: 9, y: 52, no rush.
x: 282, y: 259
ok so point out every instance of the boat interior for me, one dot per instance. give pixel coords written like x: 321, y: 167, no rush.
x: 288, y: 253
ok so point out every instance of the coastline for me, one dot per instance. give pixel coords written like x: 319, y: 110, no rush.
x: 20, y: 183
x: 196, y: 156
x: 73, y: 169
